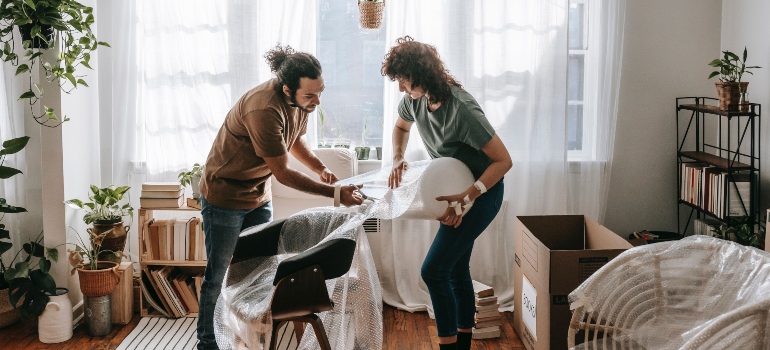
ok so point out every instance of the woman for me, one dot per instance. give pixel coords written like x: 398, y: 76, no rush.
x: 451, y: 124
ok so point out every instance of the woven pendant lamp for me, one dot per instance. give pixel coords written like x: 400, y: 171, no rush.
x: 371, y: 13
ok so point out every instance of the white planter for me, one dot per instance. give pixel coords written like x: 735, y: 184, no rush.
x: 195, y: 184
x: 55, y: 324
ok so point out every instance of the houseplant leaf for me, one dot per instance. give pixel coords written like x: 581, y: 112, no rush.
x: 17, y: 288
x: 14, y: 145
x: 43, y: 281
x: 6, y: 172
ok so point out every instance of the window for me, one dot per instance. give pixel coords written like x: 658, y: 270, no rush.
x: 575, y: 78
x: 351, y: 58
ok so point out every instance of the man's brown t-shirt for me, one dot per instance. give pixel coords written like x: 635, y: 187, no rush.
x: 261, y: 124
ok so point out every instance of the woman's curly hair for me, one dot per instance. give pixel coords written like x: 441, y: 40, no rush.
x: 420, y: 64
x: 289, y: 66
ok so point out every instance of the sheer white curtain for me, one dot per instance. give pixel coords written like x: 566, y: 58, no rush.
x: 512, y: 57
x: 589, y: 181
x: 13, y: 189
x: 180, y: 66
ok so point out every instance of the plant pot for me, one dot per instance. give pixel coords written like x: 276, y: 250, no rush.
x: 114, y: 241
x: 362, y: 153
x: 370, y: 14
x: 55, y: 324
x: 37, y: 43
x: 342, y: 144
x: 195, y: 184
x: 379, y: 153
x: 96, y: 283
x: 8, y: 314
x: 730, y: 94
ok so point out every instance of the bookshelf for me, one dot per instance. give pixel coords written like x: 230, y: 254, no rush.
x: 187, y: 266
x: 718, y: 161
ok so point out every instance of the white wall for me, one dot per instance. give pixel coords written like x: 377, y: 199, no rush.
x: 667, y: 47
x: 745, y: 24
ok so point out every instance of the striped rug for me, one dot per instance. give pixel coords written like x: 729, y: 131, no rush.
x: 179, y: 334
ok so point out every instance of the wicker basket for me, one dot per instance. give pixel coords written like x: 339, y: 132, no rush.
x: 8, y: 314
x: 371, y: 14
x: 96, y: 283
x: 730, y: 94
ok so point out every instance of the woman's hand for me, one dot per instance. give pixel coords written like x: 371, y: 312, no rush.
x: 450, y: 217
x: 399, y: 166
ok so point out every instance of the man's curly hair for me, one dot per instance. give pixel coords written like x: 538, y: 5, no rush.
x: 420, y: 64
x: 289, y: 66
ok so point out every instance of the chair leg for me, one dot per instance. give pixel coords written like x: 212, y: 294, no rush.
x: 299, y: 330
x: 274, y: 334
x: 318, y: 328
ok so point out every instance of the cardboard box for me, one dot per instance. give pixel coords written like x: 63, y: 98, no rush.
x: 554, y: 255
x: 122, y: 298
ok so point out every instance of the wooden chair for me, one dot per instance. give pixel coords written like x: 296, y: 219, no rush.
x: 300, y: 288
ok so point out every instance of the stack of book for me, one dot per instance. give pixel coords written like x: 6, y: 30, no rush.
x: 706, y: 186
x: 170, y: 291
x: 488, y: 319
x: 156, y: 195
x: 174, y: 239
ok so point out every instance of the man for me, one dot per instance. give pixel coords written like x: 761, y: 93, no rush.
x: 252, y: 145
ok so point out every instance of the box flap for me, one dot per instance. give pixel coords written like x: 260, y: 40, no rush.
x: 599, y: 237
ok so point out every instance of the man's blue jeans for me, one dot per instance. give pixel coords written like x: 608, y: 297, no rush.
x: 446, y: 269
x: 222, y: 227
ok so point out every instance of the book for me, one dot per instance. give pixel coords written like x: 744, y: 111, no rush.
x: 489, y: 313
x: 486, y: 301
x: 482, y: 290
x: 148, y: 276
x: 154, y: 237
x: 163, y: 194
x: 486, y: 332
x: 155, y: 203
x: 151, y: 296
x: 489, y: 323
x: 194, y: 203
x: 161, y: 186
x: 488, y: 307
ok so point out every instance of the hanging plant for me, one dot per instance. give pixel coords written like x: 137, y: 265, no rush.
x: 42, y: 25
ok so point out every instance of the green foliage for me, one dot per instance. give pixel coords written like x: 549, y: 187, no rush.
x: 739, y: 230
x: 104, y: 204
x: 9, y: 147
x: 730, y: 68
x: 185, y: 177
x: 88, y: 254
x: 322, y: 124
x: 66, y: 23
x: 30, y: 279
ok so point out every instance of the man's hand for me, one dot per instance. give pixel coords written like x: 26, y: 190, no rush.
x: 399, y: 166
x: 349, y: 195
x: 328, y: 177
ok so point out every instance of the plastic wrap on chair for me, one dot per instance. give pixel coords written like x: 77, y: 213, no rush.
x: 696, y: 293
x: 242, y: 316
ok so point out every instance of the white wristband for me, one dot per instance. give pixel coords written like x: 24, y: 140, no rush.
x: 480, y: 185
x: 337, y: 187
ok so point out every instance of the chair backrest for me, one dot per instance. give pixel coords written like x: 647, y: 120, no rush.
x: 261, y: 240
x: 333, y: 256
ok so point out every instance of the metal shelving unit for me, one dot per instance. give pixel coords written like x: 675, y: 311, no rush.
x: 728, y: 140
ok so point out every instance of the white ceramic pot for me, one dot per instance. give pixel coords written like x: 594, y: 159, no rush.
x: 55, y: 324
x: 195, y: 184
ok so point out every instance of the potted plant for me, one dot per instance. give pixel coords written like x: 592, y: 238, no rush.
x: 322, y: 128
x: 8, y: 313
x: 106, y: 215
x: 28, y: 281
x: 379, y: 148
x: 98, y: 276
x: 44, y: 24
x: 739, y: 230
x: 730, y: 69
x: 370, y: 12
x: 339, y: 142
x: 362, y: 152
x: 192, y: 178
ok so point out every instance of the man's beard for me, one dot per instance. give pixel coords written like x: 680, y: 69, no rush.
x: 293, y: 99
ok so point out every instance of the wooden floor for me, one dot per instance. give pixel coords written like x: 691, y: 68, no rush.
x: 402, y: 330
